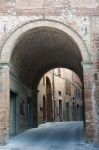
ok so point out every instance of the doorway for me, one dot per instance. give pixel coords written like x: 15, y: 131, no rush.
x: 60, y: 110
x: 28, y: 112
x: 44, y: 109
x: 13, y: 104
x: 49, y: 100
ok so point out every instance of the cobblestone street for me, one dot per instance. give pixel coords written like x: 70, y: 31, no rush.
x: 52, y: 136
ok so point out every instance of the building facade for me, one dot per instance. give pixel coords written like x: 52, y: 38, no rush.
x: 37, y: 36
x: 60, y: 95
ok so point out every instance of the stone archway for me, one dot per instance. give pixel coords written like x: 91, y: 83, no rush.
x: 49, y: 100
x: 18, y: 34
x: 76, y: 47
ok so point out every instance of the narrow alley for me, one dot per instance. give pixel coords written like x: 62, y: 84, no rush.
x: 52, y: 136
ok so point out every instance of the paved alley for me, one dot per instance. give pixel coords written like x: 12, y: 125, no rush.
x: 52, y: 136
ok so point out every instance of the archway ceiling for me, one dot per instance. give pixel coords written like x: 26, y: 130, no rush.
x: 42, y: 49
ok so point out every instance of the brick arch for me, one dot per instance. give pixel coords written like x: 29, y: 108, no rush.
x: 5, y: 56
x: 17, y: 35
x: 49, y: 100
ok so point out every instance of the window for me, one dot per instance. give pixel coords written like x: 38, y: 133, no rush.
x: 78, y: 92
x: 59, y: 92
x: 68, y: 87
x: 59, y: 71
x: 22, y: 108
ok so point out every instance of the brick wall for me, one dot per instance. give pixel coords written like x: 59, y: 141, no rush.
x: 81, y: 15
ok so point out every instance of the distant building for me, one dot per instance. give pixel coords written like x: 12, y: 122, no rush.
x: 59, y: 96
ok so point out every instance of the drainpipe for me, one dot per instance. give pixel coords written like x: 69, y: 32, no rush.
x: 53, y: 93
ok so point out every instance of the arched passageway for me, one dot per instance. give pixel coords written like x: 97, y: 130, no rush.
x: 63, y: 102
x: 44, y: 108
x: 35, y: 48
x: 49, y: 100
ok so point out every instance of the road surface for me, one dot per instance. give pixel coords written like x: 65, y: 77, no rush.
x: 52, y: 136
